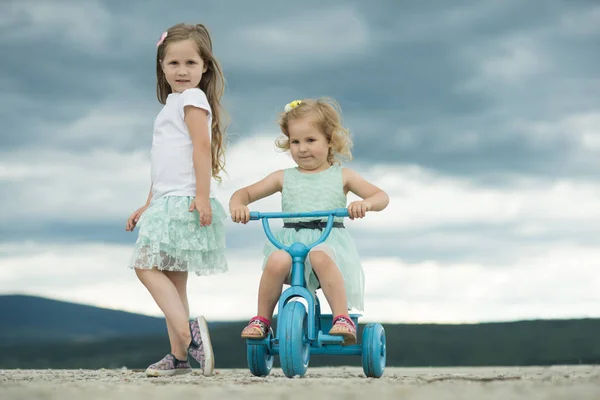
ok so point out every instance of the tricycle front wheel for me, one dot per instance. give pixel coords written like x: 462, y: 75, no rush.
x: 294, y: 347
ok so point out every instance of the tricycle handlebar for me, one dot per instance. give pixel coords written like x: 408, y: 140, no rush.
x: 339, y: 212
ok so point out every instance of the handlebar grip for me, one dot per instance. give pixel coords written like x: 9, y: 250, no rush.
x: 340, y: 212
x: 254, y: 215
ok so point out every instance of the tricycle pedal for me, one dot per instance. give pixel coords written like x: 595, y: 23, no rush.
x: 324, y: 339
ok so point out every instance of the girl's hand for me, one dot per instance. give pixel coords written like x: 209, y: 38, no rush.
x: 358, y: 209
x: 240, y: 214
x: 204, y: 209
x: 133, y: 219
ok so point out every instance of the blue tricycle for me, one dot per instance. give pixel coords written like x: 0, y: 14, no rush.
x: 302, y: 330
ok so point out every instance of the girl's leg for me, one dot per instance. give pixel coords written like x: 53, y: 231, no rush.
x: 167, y: 297
x: 332, y: 284
x: 179, y: 280
x: 201, y: 348
x: 274, y: 276
x: 277, y: 270
x: 331, y: 280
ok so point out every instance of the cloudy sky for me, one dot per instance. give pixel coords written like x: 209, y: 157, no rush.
x: 481, y: 119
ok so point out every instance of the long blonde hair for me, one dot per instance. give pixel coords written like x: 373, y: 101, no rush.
x: 212, y: 84
x: 326, y: 115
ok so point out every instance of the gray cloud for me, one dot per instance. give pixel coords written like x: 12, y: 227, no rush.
x: 452, y: 88
x: 487, y: 91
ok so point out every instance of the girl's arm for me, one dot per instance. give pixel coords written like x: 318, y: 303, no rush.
x: 238, y: 204
x: 149, y: 196
x: 196, y: 120
x: 374, y: 199
x: 134, y: 218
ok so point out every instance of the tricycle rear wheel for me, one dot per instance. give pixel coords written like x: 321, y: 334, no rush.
x: 373, y: 350
x: 260, y: 361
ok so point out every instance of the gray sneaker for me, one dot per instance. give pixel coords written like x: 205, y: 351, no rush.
x: 201, y: 348
x: 169, y: 366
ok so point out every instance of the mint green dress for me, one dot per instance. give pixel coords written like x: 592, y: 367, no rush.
x: 324, y: 190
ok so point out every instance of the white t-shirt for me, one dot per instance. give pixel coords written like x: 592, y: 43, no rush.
x: 172, y: 167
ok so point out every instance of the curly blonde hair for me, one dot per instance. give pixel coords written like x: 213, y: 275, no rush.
x: 326, y: 115
x: 212, y: 84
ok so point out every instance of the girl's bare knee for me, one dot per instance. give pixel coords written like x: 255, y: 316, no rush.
x: 319, y: 259
x: 321, y: 262
x: 279, y: 263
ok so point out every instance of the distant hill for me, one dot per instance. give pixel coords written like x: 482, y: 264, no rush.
x: 30, y: 318
x: 42, y: 333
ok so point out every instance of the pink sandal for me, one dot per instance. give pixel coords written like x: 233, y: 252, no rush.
x: 344, y: 326
x: 257, y: 328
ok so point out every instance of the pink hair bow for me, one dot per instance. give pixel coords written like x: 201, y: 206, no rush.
x: 162, y: 39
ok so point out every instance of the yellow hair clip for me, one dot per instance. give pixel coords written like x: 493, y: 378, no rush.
x: 292, y: 105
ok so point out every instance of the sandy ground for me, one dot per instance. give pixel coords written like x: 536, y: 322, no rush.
x: 532, y: 383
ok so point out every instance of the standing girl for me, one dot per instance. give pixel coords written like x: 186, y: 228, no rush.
x: 314, y: 135
x: 181, y: 226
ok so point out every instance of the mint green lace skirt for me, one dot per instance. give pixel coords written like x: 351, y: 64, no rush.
x: 171, y: 238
